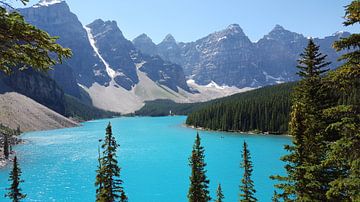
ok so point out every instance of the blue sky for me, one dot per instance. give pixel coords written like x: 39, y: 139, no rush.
x: 188, y: 20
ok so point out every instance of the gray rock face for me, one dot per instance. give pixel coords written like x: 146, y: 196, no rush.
x: 116, y: 51
x: 278, y: 52
x: 169, y: 50
x: 122, y: 57
x: 145, y: 45
x: 88, y: 65
x: 38, y: 86
x: 228, y: 57
x: 58, y: 20
x: 164, y: 73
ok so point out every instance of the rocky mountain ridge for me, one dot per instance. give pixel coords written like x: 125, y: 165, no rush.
x: 228, y: 57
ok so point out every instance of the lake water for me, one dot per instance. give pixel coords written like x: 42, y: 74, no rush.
x: 60, y: 165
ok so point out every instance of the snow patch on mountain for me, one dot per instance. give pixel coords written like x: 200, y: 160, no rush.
x: 92, y: 41
x: 47, y: 3
x: 212, y: 91
x: 268, y: 77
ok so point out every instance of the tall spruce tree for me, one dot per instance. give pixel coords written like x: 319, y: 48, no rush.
x: 14, y: 190
x: 344, y: 116
x: 99, y: 176
x: 247, y: 189
x: 307, y: 179
x: 199, y: 184
x: 6, y: 146
x: 219, y: 194
x: 108, y: 173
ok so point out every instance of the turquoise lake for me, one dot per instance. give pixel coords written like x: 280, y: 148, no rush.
x: 59, y: 165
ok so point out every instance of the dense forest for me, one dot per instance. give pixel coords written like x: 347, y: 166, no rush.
x: 263, y: 110
x: 164, y: 107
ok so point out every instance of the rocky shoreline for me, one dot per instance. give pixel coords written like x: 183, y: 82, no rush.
x: 13, y: 140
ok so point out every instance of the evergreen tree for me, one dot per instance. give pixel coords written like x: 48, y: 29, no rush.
x: 15, y: 191
x: 219, y: 195
x: 123, y: 197
x: 307, y: 179
x: 24, y: 46
x: 199, y: 184
x: 344, y: 116
x: 275, y: 197
x: 108, y: 173
x: 99, y: 176
x: 6, y: 146
x: 262, y: 110
x: 247, y: 189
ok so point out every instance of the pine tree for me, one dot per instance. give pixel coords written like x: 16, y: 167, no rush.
x: 24, y: 46
x: 275, y: 197
x: 123, y: 197
x: 219, y: 195
x: 108, y: 173
x: 199, y: 184
x: 306, y: 179
x: 247, y: 189
x: 344, y: 117
x: 99, y: 176
x: 6, y: 146
x: 15, y: 190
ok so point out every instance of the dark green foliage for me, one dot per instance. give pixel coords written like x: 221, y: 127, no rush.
x: 6, y: 146
x: 9, y: 131
x: 15, y: 191
x: 23, y: 45
x: 264, y: 110
x: 99, y: 176
x: 219, y: 194
x: 8, y: 137
x: 76, y: 109
x: 343, y: 116
x: 306, y: 179
x: 163, y: 107
x: 247, y: 189
x: 108, y: 181
x: 123, y: 197
x: 199, y: 184
x: 275, y: 197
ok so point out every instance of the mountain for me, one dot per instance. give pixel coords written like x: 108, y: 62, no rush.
x: 85, y: 67
x: 112, y: 73
x: 35, y: 85
x: 229, y: 58
x: 115, y: 52
x: 105, y: 64
x: 144, y: 43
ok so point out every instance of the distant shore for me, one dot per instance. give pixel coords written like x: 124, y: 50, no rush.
x: 234, y: 131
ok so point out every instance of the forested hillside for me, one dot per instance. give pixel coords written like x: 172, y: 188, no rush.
x: 165, y: 107
x: 263, y: 110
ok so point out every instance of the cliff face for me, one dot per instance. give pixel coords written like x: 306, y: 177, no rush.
x: 37, y: 86
x: 101, y: 54
x: 228, y: 57
x: 85, y: 66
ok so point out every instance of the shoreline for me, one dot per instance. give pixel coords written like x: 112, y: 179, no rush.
x: 15, y: 141
x: 239, y: 132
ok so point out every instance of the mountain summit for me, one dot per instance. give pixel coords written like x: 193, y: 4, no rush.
x: 47, y: 2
